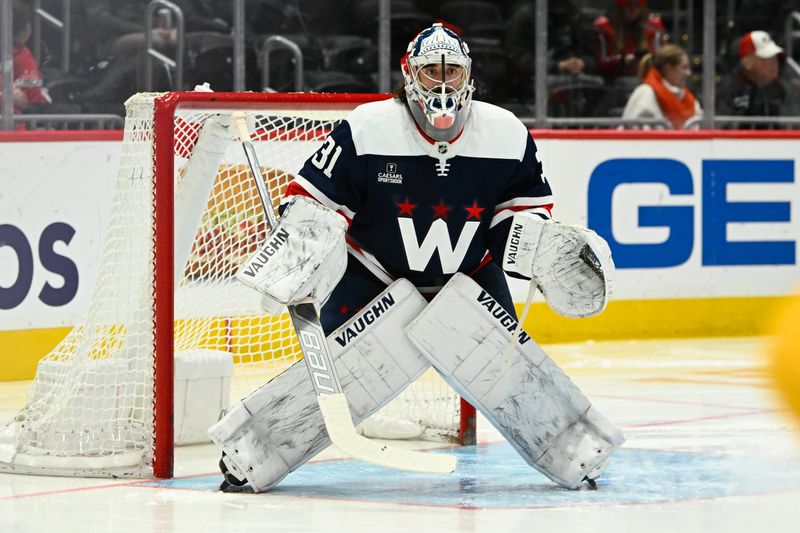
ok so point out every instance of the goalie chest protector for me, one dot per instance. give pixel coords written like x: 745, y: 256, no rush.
x: 424, y: 210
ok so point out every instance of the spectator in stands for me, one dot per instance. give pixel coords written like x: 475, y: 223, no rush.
x: 754, y: 87
x: 624, y: 36
x: 663, y: 93
x: 27, y: 87
x: 569, y: 50
x: 121, y: 26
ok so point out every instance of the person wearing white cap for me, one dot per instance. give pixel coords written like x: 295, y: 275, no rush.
x: 754, y: 87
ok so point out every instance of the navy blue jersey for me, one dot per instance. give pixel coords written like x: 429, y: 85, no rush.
x: 424, y: 210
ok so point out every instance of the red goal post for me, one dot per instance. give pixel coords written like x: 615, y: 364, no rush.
x: 165, y: 131
x: 166, y: 309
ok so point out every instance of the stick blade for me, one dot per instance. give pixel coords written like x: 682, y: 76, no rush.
x: 343, y: 435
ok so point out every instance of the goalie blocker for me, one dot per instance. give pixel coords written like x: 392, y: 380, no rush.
x: 529, y: 399
x: 304, y: 255
x: 279, y: 427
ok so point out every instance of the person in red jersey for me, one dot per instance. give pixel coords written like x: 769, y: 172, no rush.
x: 627, y: 33
x: 28, y: 81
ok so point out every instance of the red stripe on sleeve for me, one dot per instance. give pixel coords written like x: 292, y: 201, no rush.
x: 517, y: 208
x: 295, y: 189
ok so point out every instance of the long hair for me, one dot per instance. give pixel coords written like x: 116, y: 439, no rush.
x: 399, y: 92
x: 669, y: 54
x: 617, y: 17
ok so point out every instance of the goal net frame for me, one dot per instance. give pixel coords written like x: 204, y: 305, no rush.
x: 164, y: 133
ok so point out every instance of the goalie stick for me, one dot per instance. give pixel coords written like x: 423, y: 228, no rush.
x: 332, y: 401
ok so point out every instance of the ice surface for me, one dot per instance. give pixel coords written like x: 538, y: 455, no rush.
x: 708, y: 449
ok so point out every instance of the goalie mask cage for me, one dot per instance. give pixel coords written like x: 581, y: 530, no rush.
x: 184, y: 216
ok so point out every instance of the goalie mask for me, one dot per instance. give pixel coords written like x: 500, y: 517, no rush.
x: 436, y: 71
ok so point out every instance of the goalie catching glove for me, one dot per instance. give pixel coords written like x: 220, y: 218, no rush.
x: 304, y: 255
x: 571, y: 265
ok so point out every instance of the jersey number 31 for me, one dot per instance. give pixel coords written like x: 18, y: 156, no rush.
x: 323, y: 159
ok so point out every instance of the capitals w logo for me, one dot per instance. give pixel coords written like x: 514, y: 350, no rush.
x: 437, y: 238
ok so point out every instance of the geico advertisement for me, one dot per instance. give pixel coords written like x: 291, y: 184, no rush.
x: 684, y: 218
x: 54, y: 209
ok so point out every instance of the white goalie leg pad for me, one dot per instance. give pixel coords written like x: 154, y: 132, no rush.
x: 572, y: 265
x: 279, y: 427
x: 528, y: 398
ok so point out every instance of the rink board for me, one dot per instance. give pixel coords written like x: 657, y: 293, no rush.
x: 703, y: 226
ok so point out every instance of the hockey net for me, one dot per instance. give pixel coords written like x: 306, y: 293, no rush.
x: 101, y: 403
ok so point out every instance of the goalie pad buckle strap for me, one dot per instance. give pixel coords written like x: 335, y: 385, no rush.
x: 279, y: 427
x: 533, y: 404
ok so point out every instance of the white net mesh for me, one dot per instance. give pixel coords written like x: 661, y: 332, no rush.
x: 90, y: 409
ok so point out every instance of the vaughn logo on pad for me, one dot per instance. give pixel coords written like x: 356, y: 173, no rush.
x: 257, y: 262
x: 501, y: 315
x: 366, y: 317
x: 513, y: 245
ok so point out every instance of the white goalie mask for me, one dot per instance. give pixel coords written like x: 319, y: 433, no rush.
x: 436, y: 70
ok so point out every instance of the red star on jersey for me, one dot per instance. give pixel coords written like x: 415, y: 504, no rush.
x: 474, y: 211
x: 406, y: 207
x: 441, y: 210
x: 343, y: 310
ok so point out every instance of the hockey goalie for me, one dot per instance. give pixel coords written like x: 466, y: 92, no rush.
x: 400, y: 229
